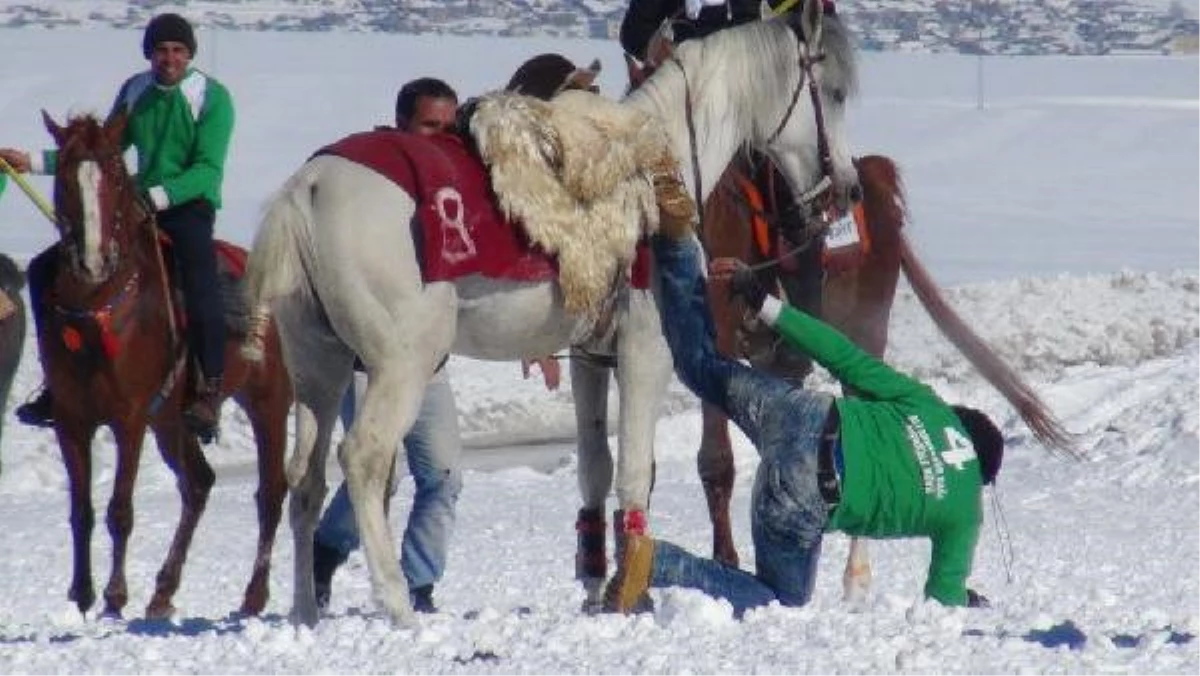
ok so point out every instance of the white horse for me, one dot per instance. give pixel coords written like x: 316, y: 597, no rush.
x: 335, y: 261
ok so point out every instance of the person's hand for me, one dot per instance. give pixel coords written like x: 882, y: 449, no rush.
x: 16, y: 159
x: 550, y: 368
x: 742, y: 281
x: 977, y: 600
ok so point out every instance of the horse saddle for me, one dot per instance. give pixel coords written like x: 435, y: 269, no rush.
x: 231, y: 268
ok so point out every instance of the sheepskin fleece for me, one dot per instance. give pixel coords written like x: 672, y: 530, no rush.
x: 578, y: 172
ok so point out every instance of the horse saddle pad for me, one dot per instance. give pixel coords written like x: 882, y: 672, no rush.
x: 231, y: 267
x: 461, y: 229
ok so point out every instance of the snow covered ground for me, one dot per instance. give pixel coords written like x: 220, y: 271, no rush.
x: 1062, y: 217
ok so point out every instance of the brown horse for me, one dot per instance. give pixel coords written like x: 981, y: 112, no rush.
x: 113, y: 353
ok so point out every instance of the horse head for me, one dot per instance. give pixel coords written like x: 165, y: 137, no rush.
x: 779, y: 86
x: 809, y: 139
x: 95, y: 199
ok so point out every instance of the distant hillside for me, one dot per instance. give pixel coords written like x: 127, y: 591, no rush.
x: 971, y: 26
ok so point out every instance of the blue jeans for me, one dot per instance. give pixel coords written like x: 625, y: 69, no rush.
x: 784, y: 422
x: 434, y: 451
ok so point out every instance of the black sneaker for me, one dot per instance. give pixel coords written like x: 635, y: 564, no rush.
x: 325, y: 563
x: 422, y: 599
x: 39, y: 412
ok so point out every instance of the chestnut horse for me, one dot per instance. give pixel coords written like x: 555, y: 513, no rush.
x: 113, y: 353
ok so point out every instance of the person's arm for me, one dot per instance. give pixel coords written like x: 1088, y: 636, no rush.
x: 849, y: 363
x: 950, y: 565
x: 825, y: 344
x: 641, y: 21
x: 214, y: 129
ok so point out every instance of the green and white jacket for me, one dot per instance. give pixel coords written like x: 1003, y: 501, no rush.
x: 181, y: 134
x: 910, y: 468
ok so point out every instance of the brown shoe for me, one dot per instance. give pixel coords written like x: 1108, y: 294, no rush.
x: 627, y: 590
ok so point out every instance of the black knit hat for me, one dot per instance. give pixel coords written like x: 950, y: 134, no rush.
x: 986, y: 438
x: 168, y: 27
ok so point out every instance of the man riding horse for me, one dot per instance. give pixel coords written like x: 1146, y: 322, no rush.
x: 180, y: 120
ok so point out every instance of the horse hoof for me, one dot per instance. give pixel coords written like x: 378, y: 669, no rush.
x: 83, y: 600
x: 250, y: 609
x: 159, y: 611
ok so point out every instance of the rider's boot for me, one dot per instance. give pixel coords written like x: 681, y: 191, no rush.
x: 39, y: 412
x: 633, y: 566
x: 325, y: 563
x: 203, y: 414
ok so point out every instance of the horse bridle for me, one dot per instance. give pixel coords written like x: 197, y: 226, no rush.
x: 806, y: 61
x: 125, y: 195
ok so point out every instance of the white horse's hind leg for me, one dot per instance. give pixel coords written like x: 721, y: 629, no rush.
x: 307, y: 494
x: 320, y: 368
x: 396, y: 382
x: 856, y: 581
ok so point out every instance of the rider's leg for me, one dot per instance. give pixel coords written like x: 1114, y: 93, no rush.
x: 190, y: 226
x: 40, y: 275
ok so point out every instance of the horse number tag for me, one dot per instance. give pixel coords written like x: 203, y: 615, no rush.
x: 842, y: 232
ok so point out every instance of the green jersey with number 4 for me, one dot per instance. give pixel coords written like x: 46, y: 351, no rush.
x: 910, y: 468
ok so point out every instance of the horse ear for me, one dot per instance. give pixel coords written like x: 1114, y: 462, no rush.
x: 114, y: 126
x: 53, y: 128
x: 810, y: 23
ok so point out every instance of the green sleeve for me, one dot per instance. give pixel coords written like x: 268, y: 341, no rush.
x: 214, y: 129
x: 50, y: 162
x: 845, y: 360
x: 950, y: 565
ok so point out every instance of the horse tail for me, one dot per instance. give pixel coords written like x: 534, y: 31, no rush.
x: 275, y: 267
x: 1046, y: 428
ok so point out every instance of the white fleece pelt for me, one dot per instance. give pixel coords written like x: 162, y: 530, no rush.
x: 578, y: 173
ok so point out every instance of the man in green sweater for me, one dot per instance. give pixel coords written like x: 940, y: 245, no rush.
x: 180, y: 122
x: 891, y: 460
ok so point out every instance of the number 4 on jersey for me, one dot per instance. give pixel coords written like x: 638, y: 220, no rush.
x: 959, y: 449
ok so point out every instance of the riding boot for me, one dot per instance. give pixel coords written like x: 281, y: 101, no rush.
x: 203, y: 415
x: 633, y: 564
x: 39, y: 412
x: 591, y: 566
x: 325, y: 563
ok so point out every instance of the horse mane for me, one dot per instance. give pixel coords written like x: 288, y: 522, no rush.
x: 753, y: 62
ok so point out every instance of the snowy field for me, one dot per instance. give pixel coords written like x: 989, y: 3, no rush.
x: 1062, y: 216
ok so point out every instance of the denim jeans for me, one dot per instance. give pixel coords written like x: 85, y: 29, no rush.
x: 434, y: 451
x: 784, y: 422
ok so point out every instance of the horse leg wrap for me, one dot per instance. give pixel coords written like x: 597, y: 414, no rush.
x: 590, y: 560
